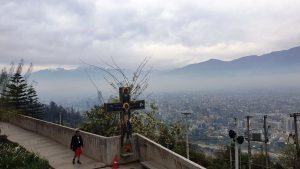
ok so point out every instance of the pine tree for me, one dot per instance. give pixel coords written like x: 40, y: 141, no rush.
x: 16, y: 92
x: 34, y: 108
x: 3, y: 83
x: 17, y: 95
x: 4, y: 77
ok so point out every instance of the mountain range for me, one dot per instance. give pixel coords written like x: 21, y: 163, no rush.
x: 279, y: 69
x: 284, y: 61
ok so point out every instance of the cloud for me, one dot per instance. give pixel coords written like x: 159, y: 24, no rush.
x: 173, y: 33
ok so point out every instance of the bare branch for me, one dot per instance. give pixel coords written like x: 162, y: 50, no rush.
x: 104, y: 70
x: 29, y: 71
x: 121, y: 72
x: 20, y: 66
x: 111, y: 84
x: 147, y: 74
x: 12, y: 69
x: 100, y: 97
x: 99, y: 93
x: 138, y: 71
x: 141, y: 83
x: 138, y: 83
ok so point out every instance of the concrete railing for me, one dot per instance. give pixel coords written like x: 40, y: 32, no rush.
x: 100, y: 148
x: 151, y: 151
x: 104, y: 149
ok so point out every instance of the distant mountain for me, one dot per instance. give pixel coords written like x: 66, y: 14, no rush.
x: 275, y: 62
x: 279, y: 69
x: 67, y: 87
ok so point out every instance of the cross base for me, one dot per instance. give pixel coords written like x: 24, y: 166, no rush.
x: 126, y: 149
x: 126, y: 154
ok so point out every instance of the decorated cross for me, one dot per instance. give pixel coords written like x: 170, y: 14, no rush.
x: 125, y: 106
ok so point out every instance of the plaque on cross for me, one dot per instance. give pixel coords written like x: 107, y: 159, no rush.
x: 125, y: 106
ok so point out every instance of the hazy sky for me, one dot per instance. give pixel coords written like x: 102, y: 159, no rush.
x: 173, y: 33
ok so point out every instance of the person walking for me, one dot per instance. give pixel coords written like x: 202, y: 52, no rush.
x: 76, y: 146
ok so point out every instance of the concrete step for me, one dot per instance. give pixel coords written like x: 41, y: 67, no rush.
x: 151, y: 165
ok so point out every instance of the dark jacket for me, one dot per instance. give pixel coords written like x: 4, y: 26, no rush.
x: 76, y: 143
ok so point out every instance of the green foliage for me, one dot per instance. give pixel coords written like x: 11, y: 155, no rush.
x: 288, y: 155
x: 259, y: 162
x: 34, y: 108
x: 221, y: 159
x: 165, y: 137
x: 102, y: 123
x: 146, y: 123
x: 14, y: 156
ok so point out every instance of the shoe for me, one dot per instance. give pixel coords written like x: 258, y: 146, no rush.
x: 73, y: 161
x: 78, y: 162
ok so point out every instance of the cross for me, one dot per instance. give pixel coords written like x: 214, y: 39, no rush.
x: 125, y: 106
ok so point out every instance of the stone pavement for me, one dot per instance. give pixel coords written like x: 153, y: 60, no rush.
x: 59, y: 156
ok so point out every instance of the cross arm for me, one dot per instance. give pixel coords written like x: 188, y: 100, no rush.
x: 137, y: 105
x: 113, y: 107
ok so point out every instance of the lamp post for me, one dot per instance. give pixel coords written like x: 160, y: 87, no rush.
x: 297, y: 161
x: 60, y: 118
x: 249, y: 139
x: 187, y: 134
x: 266, y: 140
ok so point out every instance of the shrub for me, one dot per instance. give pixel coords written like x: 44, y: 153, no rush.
x: 13, y: 155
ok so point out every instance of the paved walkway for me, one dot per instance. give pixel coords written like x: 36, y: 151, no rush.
x: 59, y: 156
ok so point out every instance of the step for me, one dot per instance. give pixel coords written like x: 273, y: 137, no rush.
x: 151, y: 165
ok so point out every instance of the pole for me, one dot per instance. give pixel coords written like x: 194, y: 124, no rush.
x: 297, y: 160
x: 187, y: 140
x: 240, y: 157
x: 236, y: 147
x: 187, y: 134
x: 60, y: 119
x: 266, y: 140
x: 230, y: 156
x: 236, y: 155
x: 296, y: 135
x: 249, y: 139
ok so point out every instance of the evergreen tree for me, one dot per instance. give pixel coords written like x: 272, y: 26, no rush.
x: 17, y: 95
x: 51, y: 112
x: 3, y: 81
x: 16, y: 92
x: 34, y: 108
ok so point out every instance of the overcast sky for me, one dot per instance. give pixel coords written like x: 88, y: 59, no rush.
x: 173, y: 33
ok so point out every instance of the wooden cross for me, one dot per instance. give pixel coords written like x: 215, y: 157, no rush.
x: 125, y: 106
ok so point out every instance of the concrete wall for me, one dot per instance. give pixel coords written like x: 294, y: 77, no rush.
x: 100, y: 148
x: 151, y: 151
x: 104, y: 149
